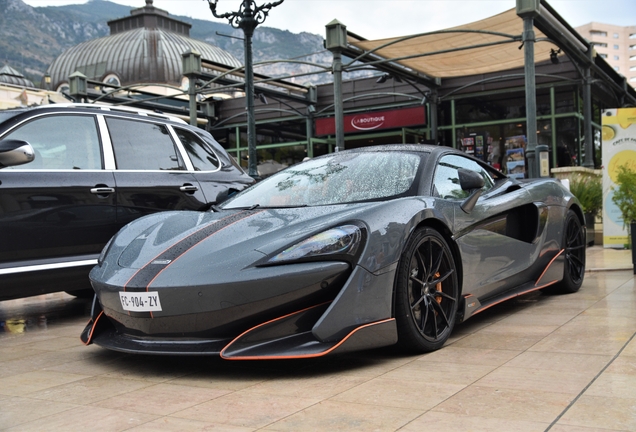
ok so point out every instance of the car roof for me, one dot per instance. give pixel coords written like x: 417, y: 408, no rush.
x: 101, y: 108
x: 394, y: 147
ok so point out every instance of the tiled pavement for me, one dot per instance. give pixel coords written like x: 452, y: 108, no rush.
x: 541, y: 362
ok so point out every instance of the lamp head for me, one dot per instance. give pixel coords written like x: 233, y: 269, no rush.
x: 554, y: 55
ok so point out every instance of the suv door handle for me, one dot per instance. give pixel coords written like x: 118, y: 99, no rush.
x: 188, y: 188
x: 102, y: 190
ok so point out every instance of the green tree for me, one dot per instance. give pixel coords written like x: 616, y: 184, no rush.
x: 625, y: 194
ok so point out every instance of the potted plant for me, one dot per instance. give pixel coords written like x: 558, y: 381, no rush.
x: 589, y: 191
x: 625, y: 199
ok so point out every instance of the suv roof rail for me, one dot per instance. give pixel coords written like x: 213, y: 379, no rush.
x: 115, y: 108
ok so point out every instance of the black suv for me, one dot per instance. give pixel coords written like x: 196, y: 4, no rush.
x: 73, y: 175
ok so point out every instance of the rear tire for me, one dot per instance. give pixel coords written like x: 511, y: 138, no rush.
x: 574, y: 246
x: 427, y: 292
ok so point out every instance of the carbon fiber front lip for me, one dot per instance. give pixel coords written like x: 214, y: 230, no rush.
x: 113, y: 340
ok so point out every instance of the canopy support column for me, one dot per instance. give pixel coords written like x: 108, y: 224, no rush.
x: 531, y: 96
x: 587, y: 119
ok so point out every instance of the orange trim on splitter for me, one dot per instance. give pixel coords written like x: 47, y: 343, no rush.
x: 90, y: 335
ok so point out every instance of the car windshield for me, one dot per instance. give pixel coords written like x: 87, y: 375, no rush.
x: 334, y: 179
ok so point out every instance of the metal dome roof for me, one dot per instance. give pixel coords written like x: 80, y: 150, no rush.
x: 8, y: 75
x: 143, y: 48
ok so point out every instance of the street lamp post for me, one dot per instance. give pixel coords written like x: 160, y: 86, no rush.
x: 336, y: 42
x: 247, y: 18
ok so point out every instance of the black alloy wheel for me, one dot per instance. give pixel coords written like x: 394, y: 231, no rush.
x: 427, y: 292
x: 574, y: 253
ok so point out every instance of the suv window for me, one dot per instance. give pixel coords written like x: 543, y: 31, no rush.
x: 142, y: 145
x: 446, y: 181
x: 201, y: 154
x: 61, y: 142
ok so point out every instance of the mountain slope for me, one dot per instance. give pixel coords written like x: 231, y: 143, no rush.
x: 32, y: 37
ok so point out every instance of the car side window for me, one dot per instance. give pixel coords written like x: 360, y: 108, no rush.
x: 201, y: 154
x: 140, y: 145
x: 61, y: 142
x: 446, y: 181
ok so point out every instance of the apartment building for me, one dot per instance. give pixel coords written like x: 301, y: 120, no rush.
x: 616, y: 44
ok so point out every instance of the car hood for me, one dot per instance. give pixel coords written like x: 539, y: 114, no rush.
x: 222, y: 236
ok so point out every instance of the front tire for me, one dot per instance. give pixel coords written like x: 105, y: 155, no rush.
x: 427, y: 292
x: 574, y: 252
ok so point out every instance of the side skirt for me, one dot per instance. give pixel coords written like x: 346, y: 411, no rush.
x: 552, y: 274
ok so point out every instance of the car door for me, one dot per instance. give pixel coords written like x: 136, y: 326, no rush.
x: 496, y: 237
x: 58, y: 210
x: 215, y: 172
x: 151, y: 174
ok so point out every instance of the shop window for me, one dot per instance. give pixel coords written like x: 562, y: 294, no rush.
x: 490, y: 143
x: 568, y: 145
x: 565, y: 98
x: 489, y: 108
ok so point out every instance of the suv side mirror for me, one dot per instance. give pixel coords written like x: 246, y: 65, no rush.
x: 473, y: 182
x: 15, y: 152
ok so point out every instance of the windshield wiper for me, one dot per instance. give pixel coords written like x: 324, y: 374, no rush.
x: 255, y: 206
x: 286, y: 206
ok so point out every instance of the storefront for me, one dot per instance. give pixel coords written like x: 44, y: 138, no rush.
x: 486, y: 118
x: 471, y: 86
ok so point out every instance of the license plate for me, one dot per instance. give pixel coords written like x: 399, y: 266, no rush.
x: 140, y: 301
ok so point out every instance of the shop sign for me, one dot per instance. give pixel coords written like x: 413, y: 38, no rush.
x: 372, y: 121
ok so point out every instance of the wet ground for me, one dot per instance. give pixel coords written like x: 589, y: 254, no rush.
x: 540, y: 362
x: 39, y: 312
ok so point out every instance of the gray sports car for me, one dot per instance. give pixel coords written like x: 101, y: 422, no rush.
x: 352, y: 250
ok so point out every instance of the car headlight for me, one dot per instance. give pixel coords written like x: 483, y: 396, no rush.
x: 342, y: 240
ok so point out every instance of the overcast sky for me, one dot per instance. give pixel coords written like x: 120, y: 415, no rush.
x: 376, y: 19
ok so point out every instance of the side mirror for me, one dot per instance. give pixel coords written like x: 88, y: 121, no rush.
x: 473, y: 182
x: 15, y: 152
x: 469, y: 180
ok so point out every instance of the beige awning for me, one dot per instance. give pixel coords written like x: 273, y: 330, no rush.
x: 462, y: 62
